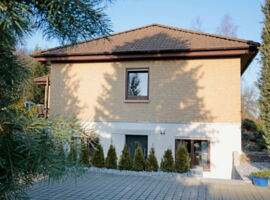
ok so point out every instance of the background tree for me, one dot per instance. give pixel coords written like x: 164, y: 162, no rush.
x: 249, y: 103
x: 227, y: 27
x: 27, y: 147
x: 32, y: 91
x: 111, y: 159
x: 264, y: 80
x: 125, y: 162
x: 196, y: 24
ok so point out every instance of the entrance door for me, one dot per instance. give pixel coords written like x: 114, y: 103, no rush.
x: 133, y: 141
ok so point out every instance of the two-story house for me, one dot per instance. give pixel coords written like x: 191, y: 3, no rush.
x: 156, y: 86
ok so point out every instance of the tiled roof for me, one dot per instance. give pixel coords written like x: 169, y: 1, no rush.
x: 152, y: 38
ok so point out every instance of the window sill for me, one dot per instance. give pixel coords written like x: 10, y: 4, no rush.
x: 136, y: 101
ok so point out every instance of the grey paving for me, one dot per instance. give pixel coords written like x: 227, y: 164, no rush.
x: 100, y: 186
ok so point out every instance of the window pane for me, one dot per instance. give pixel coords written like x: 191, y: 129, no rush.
x: 201, y: 153
x: 137, y: 83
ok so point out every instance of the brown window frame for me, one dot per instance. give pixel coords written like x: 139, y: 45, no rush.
x: 192, y: 154
x: 136, y: 70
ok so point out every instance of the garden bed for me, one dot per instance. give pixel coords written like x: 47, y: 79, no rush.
x: 143, y: 173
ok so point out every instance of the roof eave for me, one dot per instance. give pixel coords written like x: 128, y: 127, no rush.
x: 143, y: 55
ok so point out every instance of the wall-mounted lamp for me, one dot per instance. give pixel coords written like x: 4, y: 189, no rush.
x: 162, y: 131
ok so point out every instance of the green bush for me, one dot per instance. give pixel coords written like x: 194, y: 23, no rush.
x: 139, y: 162
x: 84, y: 156
x: 93, y: 142
x: 73, y: 152
x: 182, y: 160
x: 262, y: 174
x: 151, y: 162
x: 167, y: 162
x: 111, y: 159
x: 249, y: 125
x: 98, y: 157
x: 125, y: 162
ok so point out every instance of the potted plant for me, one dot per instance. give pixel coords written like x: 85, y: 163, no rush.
x: 260, y: 178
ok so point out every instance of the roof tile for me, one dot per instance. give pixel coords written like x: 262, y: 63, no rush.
x: 152, y: 38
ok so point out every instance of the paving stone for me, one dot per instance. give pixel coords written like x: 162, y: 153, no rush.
x: 104, y: 186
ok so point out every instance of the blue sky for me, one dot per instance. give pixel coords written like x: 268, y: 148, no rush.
x: 128, y: 14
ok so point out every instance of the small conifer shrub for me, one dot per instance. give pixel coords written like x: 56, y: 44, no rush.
x: 151, y: 162
x: 111, y: 159
x: 182, y: 160
x: 139, y: 161
x: 73, y: 152
x: 167, y: 162
x: 125, y: 162
x: 98, y: 157
x: 84, y: 156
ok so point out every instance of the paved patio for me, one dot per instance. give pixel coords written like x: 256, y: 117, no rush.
x: 100, y: 186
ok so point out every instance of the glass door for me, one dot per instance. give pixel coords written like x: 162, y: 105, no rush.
x: 199, y: 152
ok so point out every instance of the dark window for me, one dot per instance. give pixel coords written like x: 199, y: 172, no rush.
x: 137, y: 84
x: 133, y: 141
x: 199, y: 152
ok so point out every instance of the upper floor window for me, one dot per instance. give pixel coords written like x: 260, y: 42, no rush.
x: 137, y: 86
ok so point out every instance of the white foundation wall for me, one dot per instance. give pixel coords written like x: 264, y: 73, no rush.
x: 225, y: 138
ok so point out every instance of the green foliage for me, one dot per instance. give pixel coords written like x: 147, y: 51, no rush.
x: 12, y: 74
x: 84, y: 156
x: 182, y: 160
x: 28, y: 150
x: 125, y: 162
x: 167, y: 162
x: 27, y: 144
x: 73, y: 152
x: 261, y: 174
x: 151, y: 162
x: 252, y: 131
x: 32, y: 91
x: 56, y: 19
x: 98, y: 157
x: 249, y: 125
x: 264, y: 80
x: 93, y: 142
x: 32, y: 113
x: 111, y: 159
x: 139, y: 162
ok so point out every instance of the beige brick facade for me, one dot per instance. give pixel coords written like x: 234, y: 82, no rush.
x: 196, y: 90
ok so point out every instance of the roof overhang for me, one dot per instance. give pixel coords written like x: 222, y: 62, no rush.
x: 246, y: 55
x: 42, y: 80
